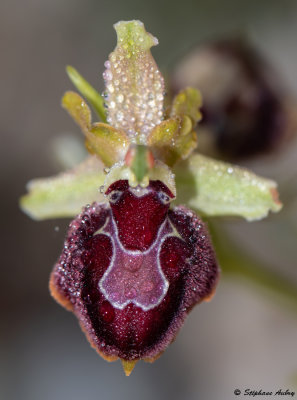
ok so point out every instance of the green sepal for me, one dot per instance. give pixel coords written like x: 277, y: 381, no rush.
x: 216, y: 188
x: 134, y: 85
x: 91, y: 94
x: 65, y: 194
x: 133, y: 37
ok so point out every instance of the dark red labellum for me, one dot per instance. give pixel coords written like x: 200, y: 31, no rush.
x: 132, y: 270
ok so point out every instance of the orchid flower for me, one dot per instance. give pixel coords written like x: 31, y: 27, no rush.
x: 136, y: 259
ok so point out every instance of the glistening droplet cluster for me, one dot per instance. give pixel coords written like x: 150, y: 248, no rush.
x: 134, y: 89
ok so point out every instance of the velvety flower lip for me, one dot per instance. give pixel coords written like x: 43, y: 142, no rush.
x: 137, y: 213
x: 133, y: 265
x: 187, y: 260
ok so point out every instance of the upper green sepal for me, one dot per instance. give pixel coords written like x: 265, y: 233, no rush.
x: 132, y: 36
x: 134, y: 85
x: 216, y: 188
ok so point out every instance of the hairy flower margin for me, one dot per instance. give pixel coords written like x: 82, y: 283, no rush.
x: 132, y: 267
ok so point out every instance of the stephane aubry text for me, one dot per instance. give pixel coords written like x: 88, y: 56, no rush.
x: 279, y: 392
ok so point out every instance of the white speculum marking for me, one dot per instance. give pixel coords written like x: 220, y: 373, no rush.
x: 135, y: 276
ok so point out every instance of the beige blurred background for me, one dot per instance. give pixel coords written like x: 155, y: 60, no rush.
x: 246, y: 337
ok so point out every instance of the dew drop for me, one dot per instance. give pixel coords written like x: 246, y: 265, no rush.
x: 150, y: 96
x: 152, y: 103
x: 110, y: 88
x: 120, y: 98
x: 120, y: 116
x: 108, y: 75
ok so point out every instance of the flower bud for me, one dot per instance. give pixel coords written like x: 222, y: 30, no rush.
x: 245, y: 108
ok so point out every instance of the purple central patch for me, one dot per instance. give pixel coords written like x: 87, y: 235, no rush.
x: 135, y: 276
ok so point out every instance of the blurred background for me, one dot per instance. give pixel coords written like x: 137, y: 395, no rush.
x: 246, y: 337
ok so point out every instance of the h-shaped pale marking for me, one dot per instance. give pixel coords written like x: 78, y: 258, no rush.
x: 135, y: 276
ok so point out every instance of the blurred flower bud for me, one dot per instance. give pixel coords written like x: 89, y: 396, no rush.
x: 245, y: 110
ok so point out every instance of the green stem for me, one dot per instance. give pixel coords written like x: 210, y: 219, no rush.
x: 235, y: 262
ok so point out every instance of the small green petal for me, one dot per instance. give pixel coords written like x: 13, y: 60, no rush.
x: 170, y: 143
x: 216, y: 188
x: 186, y: 144
x: 186, y: 125
x: 174, y: 139
x: 64, y: 195
x: 161, y: 140
x: 91, y: 94
x: 78, y: 109
x: 107, y: 142
x: 134, y: 85
x: 187, y: 103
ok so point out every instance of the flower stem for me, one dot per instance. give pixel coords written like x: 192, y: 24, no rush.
x: 234, y: 262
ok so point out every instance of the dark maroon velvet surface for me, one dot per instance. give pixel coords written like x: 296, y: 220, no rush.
x: 188, y: 263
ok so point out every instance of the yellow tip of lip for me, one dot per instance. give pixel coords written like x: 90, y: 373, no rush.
x: 128, y: 366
